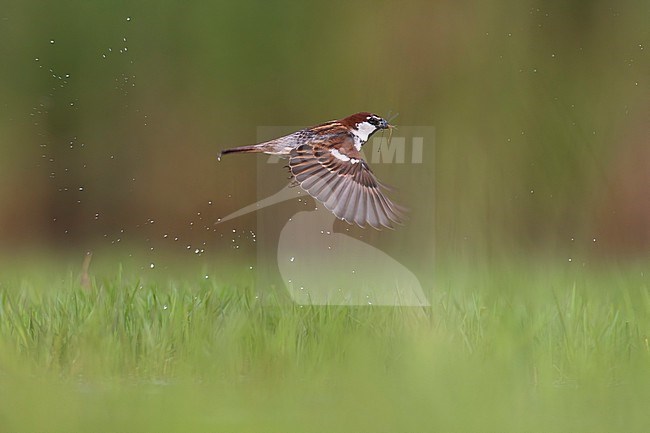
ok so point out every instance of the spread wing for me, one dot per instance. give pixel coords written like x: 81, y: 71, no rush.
x: 334, y: 173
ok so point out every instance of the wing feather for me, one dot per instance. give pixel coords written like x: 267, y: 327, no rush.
x: 343, y: 182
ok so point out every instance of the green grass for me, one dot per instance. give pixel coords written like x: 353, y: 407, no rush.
x: 527, y: 348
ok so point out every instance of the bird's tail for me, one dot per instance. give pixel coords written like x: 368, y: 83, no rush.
x: 242, y: 149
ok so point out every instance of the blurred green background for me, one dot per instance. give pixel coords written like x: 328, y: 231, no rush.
x: 112, y: 114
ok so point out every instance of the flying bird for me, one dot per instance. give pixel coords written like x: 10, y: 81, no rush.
x: 325, y: 160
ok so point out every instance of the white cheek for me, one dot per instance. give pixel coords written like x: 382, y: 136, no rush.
x: 364, y: 129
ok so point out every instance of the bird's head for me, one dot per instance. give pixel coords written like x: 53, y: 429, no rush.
x: 364, y: 124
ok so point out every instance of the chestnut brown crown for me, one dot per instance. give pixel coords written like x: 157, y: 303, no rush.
x: 355, y: 119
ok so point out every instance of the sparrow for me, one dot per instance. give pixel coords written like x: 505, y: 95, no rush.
x: 326, y: 162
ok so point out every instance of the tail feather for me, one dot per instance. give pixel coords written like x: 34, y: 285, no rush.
x: 242, y: 149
